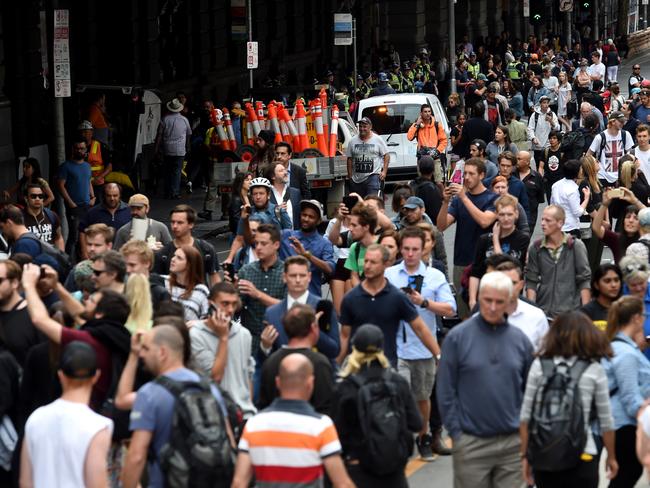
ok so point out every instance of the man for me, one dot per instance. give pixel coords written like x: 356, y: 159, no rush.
x: 431, y: 138
x: 363, y: 221
x: 494, y: 108
x: 567, y: 195
x: 307, y: 242
x: 21, y: 240
x: 99, y: 239
x: 40, y: 220
x: 297, y: 277
x: 138, y: 259
x: 475, y: 128
x: 472, y: 208
x: 557, y: 272
x: 517, y: 130
x: 631, y: 123
x: 606, y: 287
x: 261, y: 282
x: 534, y: 184
x: 414, y: 213
x: 109, y: 271
x: 301, y: 328
x: 431, y: 293
x: 99, y: 168
x: 16, y: 328
x: 376, y: 301
x: 642, y: 150
x: 182, y: 219
x: 66, y: 443
x: 597, y: 69
x: 507, y: 164
x: 382, y: 88
x: 540, y: 124
x: 635, y: 79
x: 642, y: 110
x: 78, y: 195
x: 368, y: 160
x: 587, y: 108
x: 221, y: 347
x: 480, y: 390
x: 521, y: 314
x: 311, y: 444
x: 172, y: 142
x: 161, y: 350
x: 424, y: 188
x: 103, y: 329
x: 152, y: 231
x: 609, y: 146
x: 112, y: 212
x: 297, y: 174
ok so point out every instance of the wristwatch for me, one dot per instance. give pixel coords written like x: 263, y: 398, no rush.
x: 307, y: 254
x: 425, y: 303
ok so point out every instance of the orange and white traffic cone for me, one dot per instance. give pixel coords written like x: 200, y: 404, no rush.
x: 334, y: 130
x: 273, y: 122
x: 259, y: 111
x: 224, y: 143
x: 317, y: 116
x: 301, y: 122
x: 252, y: 120
x: 326, y: 113
x: 288, y: 128
x: 230, y: 132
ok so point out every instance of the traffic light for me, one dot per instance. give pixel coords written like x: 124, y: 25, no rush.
x: 537, y: 12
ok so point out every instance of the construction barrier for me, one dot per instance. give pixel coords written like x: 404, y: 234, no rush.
x: 229, y: 130
x: 334, y: 126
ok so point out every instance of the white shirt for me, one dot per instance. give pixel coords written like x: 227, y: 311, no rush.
x: 566, y: 194
x: 611, y: 153
x: 644, y: 159
x: 279, y: 197
x: 597, y: 70
x: 552, y: 84
x: 531, y: 321
x: 57, y: 437
x: 302, y: 299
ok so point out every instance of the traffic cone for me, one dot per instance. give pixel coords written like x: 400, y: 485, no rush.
x: 259, y: 109
x: 224, y: 143
x: 252, y: 119
x: 273, y: 122
x: 326, y: 113
x: 230, y: 132
x: 288, y: 128
x: 301, y: 121
x: 317, y: 117
x: 334, y: 130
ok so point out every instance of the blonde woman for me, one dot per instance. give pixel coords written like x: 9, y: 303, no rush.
x: 563, y: 100
x: 367, y: 361
x: 138, y: 294
x: 590, y: 167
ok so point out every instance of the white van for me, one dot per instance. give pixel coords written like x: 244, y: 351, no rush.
x: 391, y: 117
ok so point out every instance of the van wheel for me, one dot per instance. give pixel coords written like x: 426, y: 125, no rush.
x: 310, y: 153
x: 245, y: 153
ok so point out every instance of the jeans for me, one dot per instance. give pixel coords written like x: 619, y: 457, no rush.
x: 173, y: 164
x: 371, y: 186
x: 73, y: 216
x: 585, y: 475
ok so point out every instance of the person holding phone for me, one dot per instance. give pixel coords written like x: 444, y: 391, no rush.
x: 431, y: 138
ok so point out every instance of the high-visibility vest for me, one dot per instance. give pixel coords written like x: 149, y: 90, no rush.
x: 95, y: 158
x: 474, y: 69
x: 395, y: 82
x: 512, y: 71
x: 211, y: 142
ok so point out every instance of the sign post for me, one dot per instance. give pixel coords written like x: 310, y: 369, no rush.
x: 252, y: 59
x: 62, y: 84
x: 345, y: 34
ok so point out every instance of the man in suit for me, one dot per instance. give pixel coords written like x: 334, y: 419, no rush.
x: 297, y: 276
x: 282, y: 194
x: 297, y: 174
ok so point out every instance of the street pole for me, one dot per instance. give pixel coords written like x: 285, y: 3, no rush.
x: 452, y: 46
x: 645, y: 15
x: 595, y: 34
x: 567, y: 30
x: 354, y: 56
x: 249, y: 11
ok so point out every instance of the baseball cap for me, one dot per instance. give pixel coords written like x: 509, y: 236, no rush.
x: 617, y: 115
x: 365, y: 120
x: 414, y: 202
x: 78, y: 361
x: 382, y: 77
x: 425, y: 165
x: 315, y: 204
x: 635, y: 90
x: 369, y: 338
x: 644, y: 217
x: 481, y: 77
x: 138, y: 200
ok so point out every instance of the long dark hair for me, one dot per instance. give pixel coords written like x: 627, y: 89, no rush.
x: 36, y: 170
x: 573, y: 334
x: 194, y: 271
x: 238, y: 181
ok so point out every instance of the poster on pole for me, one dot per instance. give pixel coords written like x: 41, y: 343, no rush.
x: 252, y: 59
x: 61, y: 54
x: 526, y: 8
x: 342, y: 29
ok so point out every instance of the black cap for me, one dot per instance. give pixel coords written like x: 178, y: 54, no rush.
x: 78, y: 361
x: 425, y: 165
x: 368, y: 339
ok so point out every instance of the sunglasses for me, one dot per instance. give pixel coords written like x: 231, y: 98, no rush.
x: 98, y: 272
x: 35, y: 196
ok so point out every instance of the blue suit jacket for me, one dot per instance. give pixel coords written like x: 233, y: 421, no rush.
x: 329, y: 342
x: 294, y: 196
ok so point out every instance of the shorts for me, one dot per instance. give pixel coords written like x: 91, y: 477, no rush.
x: 421, y: 375
x: 341, y: 273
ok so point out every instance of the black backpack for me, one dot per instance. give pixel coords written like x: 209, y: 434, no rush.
x: 603, y: 143
x: 573, y: 144
x: 198, y: 453
x: 556, y: 429
x: 63, y: 261
x: 382, y: 416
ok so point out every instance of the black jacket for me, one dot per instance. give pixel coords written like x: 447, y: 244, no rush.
x: 299, y: 180
x: 430, y: 194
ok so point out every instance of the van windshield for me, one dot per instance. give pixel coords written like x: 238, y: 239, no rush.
x: 392, y: 119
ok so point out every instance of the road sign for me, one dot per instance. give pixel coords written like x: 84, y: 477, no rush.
x: 342, y: 29
x: 251, y: 55
x: 566, y: 5
x: 526, y: 7
x: 61, y: 54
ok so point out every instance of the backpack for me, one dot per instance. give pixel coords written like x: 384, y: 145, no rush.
x: 382, y: 416
x: 62, y: 260
x: 198, y: 452
x: 573, y: 144
x: 557, y: 435
x: 603, y: 143
x: 108, y: 408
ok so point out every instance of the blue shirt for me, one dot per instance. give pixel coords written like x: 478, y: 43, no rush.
x: 516, y: 188
x: 77, y: 181
x: 641, y: 114
x: 153, y: 411
x: 267, y: 215
x: 467, y: 230
x: 100, y: 215
x: 435, y: 289
x: 628, y: 373
x: 321, y: 247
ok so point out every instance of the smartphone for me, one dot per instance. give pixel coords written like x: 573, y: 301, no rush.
x: 407, y: 289
x: 350, y: 202
x: 616, y: 193
x: 211, y: 310
x: 327, y: 307
x: 227, y: 268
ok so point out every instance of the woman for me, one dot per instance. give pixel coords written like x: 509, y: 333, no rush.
x: 563, y: 100
x: 636, y: 273
x: 477, y: 149
x: 282, y: 194
x: 590, y: 167
x: 457, y: 130
x: 500, y: 143
x: 572, y: 337
x: 390, y: 240
x: 138, y: 294
x: 338, y: 233
x: 453, y: 108
x: 514, y: 96
x: 31, y: 174
x: 499, y: 186
x: 618, y: 242
x: 185, y: 282
x: 632, y: 179
x: 490, y: 71
x: 240, y: 187
x: 367, y: 360
x: 401, y: 193
x: 537, y: 90
x: 629, y: 382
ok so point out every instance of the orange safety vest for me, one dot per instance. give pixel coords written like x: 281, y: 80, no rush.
x: 95, y: 158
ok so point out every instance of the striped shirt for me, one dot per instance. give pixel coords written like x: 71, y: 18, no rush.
x: 195, y: 306
x: 287, y: 443
x: 593, y: 386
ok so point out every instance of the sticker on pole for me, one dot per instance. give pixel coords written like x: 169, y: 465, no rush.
x: 251, y: 55
x: 342, y: 29
x: 566, y: 5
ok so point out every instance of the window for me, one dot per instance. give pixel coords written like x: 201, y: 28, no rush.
x: 392, y: 119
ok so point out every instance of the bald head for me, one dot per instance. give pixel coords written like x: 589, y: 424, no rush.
x: 523, y: 160
x: 295, y: 378
x: 170, y: 338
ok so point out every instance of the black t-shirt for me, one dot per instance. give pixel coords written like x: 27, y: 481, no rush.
x: 535, y: 187
x: 18, y: 333
x: 553, y: 164
x: 597, y: 313
x: 210, y: 260
x: 9, y: 388
x: 45, y: 226
x: 515, y: 245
